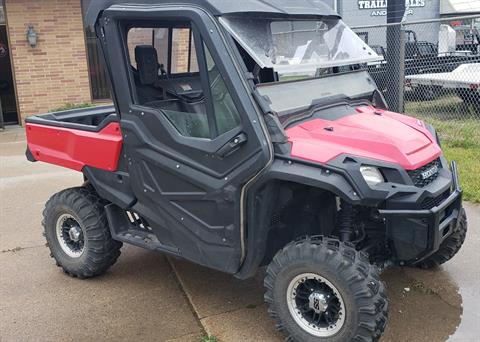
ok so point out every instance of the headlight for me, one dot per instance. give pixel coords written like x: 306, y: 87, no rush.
x: 372, y: 175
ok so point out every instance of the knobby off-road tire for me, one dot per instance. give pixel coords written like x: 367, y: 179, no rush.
x: 337, y: 265
x: 89, y: 249
x: 450, y: 246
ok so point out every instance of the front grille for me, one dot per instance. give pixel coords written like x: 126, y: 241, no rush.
x: 429, y: 203
x: 420, y: 176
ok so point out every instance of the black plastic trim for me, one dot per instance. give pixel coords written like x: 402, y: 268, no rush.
x: 112, y: 186
x: 342, y: 177
x: 65, y: 119
x: 324, y: 177
x: 437, y: 219
x: 398, y: 190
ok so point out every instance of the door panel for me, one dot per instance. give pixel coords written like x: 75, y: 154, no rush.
x: 187, y: 192
x: 199, y: 204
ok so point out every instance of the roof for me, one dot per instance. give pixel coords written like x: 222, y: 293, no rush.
x: 459, y: 7
x: 282, y: 8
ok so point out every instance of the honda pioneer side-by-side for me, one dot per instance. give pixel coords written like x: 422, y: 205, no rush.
x: 245, y: 134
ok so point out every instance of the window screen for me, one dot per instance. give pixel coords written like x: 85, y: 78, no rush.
x: 166, y: 75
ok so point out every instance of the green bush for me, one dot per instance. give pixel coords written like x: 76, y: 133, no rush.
x: 69, y: 106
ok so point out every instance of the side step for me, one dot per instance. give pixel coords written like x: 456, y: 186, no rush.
x: 130, y: 228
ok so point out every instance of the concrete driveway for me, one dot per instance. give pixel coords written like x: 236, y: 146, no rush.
x: 146, y: 296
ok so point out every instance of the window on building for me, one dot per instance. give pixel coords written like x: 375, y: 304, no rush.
x: 167, y: 77
x: 2, y: 13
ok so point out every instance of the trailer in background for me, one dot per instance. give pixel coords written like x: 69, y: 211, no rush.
x: 464, y: 80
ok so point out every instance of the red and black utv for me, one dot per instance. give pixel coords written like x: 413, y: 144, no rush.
x: 244, y: 134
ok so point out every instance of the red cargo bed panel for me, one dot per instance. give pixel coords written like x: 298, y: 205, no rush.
x: 73, y: 148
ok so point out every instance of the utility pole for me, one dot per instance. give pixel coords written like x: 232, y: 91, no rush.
x: 395, y: 55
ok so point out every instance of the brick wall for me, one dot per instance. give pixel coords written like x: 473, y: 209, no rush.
x: 180, y: 47
x: 55, y: 72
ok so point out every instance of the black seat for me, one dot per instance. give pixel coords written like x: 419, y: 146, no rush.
x: 147, y: 64
x: 146, y: 75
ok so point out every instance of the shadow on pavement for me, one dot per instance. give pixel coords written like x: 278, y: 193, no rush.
x: 140, y: 298
x: 424, y: 305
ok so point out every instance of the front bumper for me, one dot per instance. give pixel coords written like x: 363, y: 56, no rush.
x: 417, y: 234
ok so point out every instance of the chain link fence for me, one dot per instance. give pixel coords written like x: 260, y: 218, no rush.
x: 431, y: 70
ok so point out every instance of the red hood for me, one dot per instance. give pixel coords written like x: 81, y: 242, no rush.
x: 388, y: 137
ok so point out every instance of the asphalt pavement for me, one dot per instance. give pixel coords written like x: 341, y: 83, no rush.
x: 148, y: 297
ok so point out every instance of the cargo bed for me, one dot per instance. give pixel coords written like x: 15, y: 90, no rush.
x: 76, y: 138
x: 87, y: 119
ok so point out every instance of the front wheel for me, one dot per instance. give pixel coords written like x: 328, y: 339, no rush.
x: 321, y: 289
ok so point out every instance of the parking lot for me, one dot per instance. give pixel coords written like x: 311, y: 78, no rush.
x: 147, y: 296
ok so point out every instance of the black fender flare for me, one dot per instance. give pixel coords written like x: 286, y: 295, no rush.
x: 323, y: 177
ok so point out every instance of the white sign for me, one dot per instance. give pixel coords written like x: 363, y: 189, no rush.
x: 379, y: 7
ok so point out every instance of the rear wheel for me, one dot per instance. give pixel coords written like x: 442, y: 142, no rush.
x: 321, y: 289
x: 78, y: 234
x: 468, y: 96
x: 450, y: 247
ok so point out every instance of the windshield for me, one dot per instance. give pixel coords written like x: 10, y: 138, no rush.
x: 287, y: 99
x: 299, y: 47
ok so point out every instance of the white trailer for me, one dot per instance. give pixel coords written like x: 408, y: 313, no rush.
x: 465, y: 80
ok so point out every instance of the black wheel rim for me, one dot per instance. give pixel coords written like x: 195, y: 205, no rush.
x: 316, y: 305
x: 70, y: 235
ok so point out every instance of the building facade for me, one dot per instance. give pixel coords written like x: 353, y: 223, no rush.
x: 374, y: 12
x: 47, y: 60
x: 52, y: 72
x: 64, y: 66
